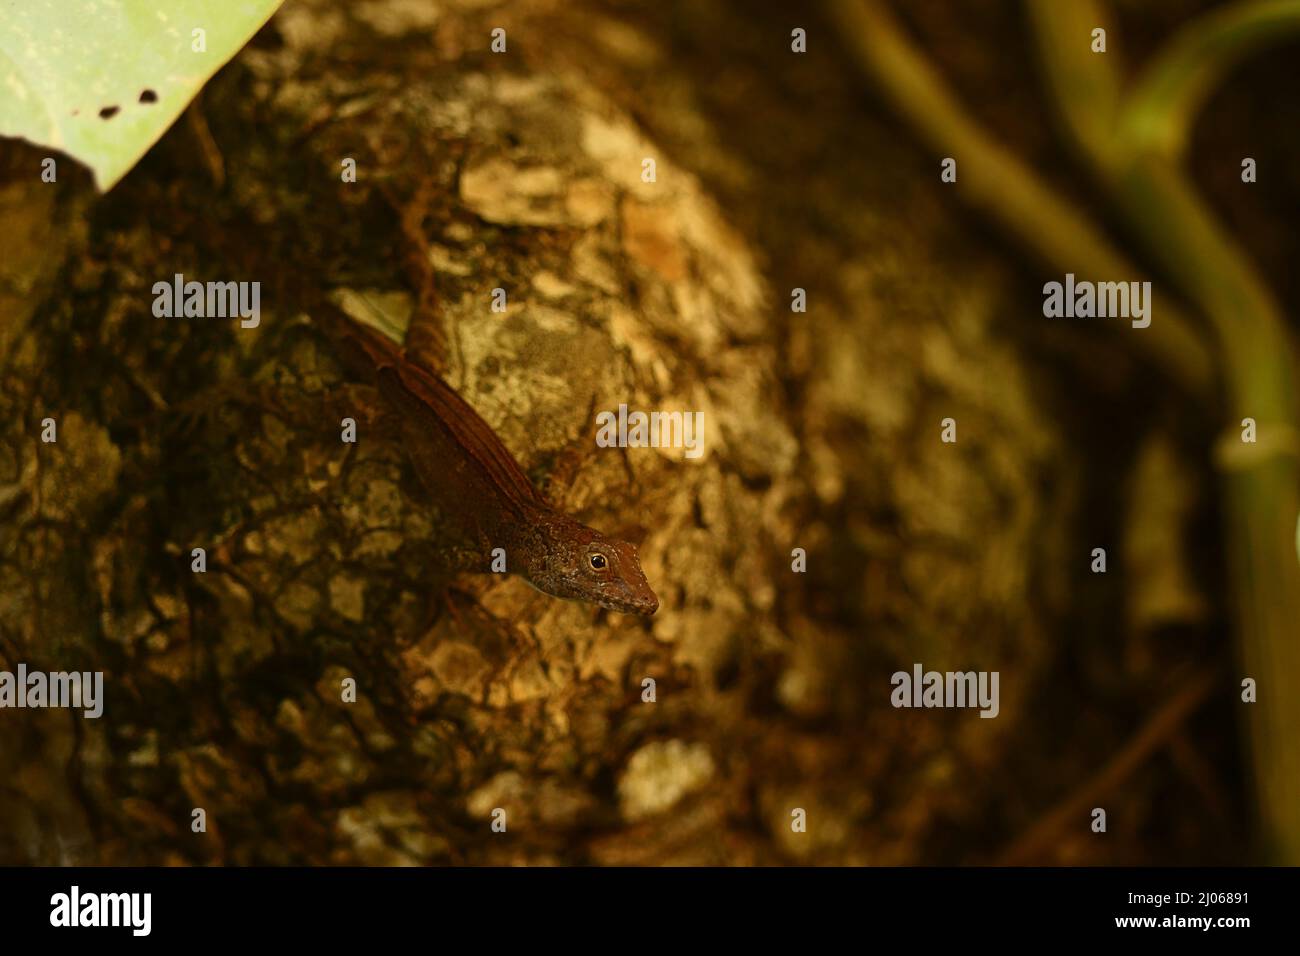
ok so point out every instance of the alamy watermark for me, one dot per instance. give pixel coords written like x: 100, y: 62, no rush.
x: 82, y: 690
x: 922, y: 688
x: 1124, y: 300
x: 75, y: 908
x: 623, y: 429
x: 221, y: 300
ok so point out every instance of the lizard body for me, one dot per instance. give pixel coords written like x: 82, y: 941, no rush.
x: 489, y: 501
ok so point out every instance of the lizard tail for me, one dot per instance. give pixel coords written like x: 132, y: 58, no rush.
x: 363, y: 349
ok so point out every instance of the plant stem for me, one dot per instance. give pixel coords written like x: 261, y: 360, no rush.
x: 1131, y: 145
x: 995, y: 181
x: 1174, y: 86
x: 1261, y: 487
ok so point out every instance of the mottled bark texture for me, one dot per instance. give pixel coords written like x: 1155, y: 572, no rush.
x: 523, y: 171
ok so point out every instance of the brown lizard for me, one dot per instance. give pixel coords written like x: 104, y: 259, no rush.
x: 487, y: 499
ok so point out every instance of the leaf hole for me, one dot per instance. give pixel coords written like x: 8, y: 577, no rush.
x: 108, y: 112
x: 148, y: 96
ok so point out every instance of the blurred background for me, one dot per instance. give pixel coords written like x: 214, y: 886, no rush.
x: 776, y: 171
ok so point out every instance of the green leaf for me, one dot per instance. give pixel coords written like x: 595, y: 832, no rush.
x: 102, y: 80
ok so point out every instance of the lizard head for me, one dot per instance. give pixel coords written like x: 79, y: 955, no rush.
x: 581, y: 563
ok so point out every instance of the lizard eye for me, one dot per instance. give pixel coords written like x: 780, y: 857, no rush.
x: 598, y: 561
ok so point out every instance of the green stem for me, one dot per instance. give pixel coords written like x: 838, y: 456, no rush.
x: 1174, y: 86
x: 1085, y: 86
x: 1261, y: 490
x: 999, y: 184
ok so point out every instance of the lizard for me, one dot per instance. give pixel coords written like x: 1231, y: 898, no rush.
x: 488, y: 500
